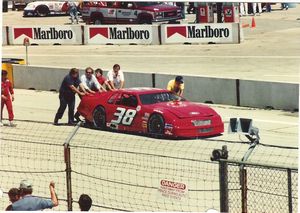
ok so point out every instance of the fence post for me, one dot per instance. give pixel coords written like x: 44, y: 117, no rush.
x: 67, y: 155
x: 218, y: 155
x: 223, y: 180
x: 68, y: 175
x: 289, y: 174
x: 243, y: 181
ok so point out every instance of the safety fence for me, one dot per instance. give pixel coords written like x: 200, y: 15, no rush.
x: 248, y: 187
x: 122, y: 34
x: 123, y: 172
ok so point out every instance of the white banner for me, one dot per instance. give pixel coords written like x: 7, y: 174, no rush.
x: 119, y: 34
x: 200, y: 33
x: 46, y: 34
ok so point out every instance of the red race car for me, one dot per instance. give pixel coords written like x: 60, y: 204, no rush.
x: 157, y: 112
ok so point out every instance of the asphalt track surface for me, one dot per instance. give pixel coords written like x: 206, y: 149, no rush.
x: 270, y: 52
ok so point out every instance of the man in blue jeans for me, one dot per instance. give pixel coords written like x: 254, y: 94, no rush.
x: 32, y: 203
x: 73, y: 12
x: 67, y: 91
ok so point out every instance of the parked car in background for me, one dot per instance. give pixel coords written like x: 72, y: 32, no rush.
x: 19, y: 4
x: 128, y: 12
x: 153, y: 111
x: 45, y: 8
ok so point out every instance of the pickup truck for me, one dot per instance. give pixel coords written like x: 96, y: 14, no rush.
x: 128, y: 12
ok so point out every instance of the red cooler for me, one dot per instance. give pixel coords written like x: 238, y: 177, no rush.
x: 231, y: 12
x: 205, y: 13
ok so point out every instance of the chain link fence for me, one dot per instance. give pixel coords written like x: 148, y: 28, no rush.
x: 123, y: 172
x: 248, y: 187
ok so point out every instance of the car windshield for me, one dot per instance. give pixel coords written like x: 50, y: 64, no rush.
x: 154, y: 98
x: 145, y: 4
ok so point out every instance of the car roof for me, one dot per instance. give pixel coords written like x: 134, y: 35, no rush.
x: 142, y: 90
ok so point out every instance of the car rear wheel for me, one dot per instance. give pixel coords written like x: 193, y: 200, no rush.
x: 145, y: 21
x: 42, y: 11
x: 156, y: 125
x: 99, y: 117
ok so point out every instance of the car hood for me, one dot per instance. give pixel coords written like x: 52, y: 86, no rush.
x: 185, y: 109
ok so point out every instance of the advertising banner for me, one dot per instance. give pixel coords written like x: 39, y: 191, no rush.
x: 119, y: 34
x: 200, y: 33
x: 46, y: 34
x: 4, y: 38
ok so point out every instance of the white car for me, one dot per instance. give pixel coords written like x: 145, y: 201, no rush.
x: 45, y: 8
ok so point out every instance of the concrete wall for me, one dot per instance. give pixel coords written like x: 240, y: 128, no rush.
x: 199, y: 89
x: 269, y: 94
x: 204, y: 89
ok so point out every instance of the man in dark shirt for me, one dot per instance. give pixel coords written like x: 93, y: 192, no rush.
x: 67, y: 91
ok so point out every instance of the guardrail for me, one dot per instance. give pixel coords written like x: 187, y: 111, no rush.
x: 122, y: 34
x: 235, y: 92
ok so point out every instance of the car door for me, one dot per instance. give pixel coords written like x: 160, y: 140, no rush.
x: 109, y: 11
x: 123, y: 113
x: 126, y: 13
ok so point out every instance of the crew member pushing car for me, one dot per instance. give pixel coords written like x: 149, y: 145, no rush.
x: 176, y: 85
x: 67, y: 91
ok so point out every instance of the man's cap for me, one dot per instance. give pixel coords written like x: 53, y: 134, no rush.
x: 179, y: 79
x: 4, y: 72
x: 25, y: 184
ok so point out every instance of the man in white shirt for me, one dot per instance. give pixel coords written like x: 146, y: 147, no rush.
x: 116, y: 77
x: 90, y: 82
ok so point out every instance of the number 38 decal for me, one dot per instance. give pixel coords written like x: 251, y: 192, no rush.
x: 124, y: 116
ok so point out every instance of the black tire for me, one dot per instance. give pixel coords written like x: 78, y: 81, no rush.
x: 145, y: 21
x: 42, y: 11
x: 156, y: 125
x: 99, y: 117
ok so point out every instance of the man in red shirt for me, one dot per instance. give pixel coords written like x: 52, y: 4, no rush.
x: 101, y: 79
x: 7, y: 97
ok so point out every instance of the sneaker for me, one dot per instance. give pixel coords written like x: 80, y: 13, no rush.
x: 55, y: 122
x: 76, y: 116
x: 72, y: 123
x: 1, y: 124
x: 11, y: 124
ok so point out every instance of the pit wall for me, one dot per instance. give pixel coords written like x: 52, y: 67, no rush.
x: 234, y: 92
x: 211, y: 33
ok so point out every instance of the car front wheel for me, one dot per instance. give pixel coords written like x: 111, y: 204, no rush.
x: 99, y: 117
x: 156, y: 125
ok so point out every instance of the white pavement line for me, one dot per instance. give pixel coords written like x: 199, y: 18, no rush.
x: 157, y: 56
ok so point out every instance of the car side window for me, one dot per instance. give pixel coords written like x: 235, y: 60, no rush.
x: 112, y: 99
x: 128, y: 100
x: 126, y: 5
